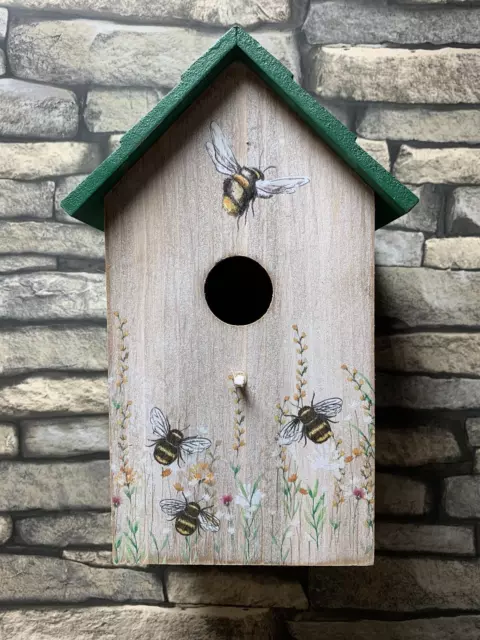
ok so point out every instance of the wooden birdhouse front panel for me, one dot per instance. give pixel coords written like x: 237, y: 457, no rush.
x: 281, y: 470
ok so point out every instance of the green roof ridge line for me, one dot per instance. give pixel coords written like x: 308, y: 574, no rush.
x: 392, y: 199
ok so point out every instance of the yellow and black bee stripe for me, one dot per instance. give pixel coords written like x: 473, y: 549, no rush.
x: 165, y: 453
x: 319, y: 432
x: 186, y: 524
x: 238, y: 191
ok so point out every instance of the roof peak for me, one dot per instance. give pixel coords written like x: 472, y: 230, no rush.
x: 86, y: 201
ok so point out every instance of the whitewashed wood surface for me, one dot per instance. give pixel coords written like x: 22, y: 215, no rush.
x: 165, y: 230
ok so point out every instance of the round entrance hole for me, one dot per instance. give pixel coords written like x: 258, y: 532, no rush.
x: 238, y: 290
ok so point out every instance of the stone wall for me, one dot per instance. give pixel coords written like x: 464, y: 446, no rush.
x: 405, y: 76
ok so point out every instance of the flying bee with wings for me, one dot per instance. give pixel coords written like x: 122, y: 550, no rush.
x: 170, y: 444
x: 312, y: 422
x: 244, y: 184
x: 189, y: 516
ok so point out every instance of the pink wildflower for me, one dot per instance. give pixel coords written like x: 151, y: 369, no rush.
x: 359, y: 493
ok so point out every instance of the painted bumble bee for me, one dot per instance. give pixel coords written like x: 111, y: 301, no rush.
x: 189, y: 516
x: 170, y: 444
x: 311, y: 422
x: 244, y: 184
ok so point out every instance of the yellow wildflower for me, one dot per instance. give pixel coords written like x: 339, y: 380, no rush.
x: 210, y: 478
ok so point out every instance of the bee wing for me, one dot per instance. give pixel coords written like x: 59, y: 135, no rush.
x: 291, y: 432
x: 208, y: 522
x: 159, y: 421
x: 172, y: 507
x: 221, y: 153
x: 329, y: 408
x: 195, y: 444
x: 269, y: 188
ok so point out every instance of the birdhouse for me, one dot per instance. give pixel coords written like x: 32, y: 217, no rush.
x: 239, y: 220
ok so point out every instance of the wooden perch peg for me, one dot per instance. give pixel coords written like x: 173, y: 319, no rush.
x: 239, y: 380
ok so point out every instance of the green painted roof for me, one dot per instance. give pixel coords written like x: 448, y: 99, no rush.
x: 86, y: 201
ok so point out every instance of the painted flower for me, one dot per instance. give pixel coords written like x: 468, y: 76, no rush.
x: 205, y: 497
x: 251, y: 504
x: 178, y: 486
x: 293, y: 477
x: 357, y: 452
x: 359, y: 493
x: 166, y: 473
x: 303, y: 491
x: 255, y: 497
x: 328, y: 460
x: 209, y: 479
x: 129, y: 474
x: 116, y: 501
x: 348, y: 459
x: 226, y: 499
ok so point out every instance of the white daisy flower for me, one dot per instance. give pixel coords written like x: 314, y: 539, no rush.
x: 254, y: 500
x: 327, y: 459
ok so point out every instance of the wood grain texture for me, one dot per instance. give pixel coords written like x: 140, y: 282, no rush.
x: 165, y: 230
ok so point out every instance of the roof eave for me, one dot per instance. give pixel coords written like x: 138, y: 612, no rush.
x: 86, y: 201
